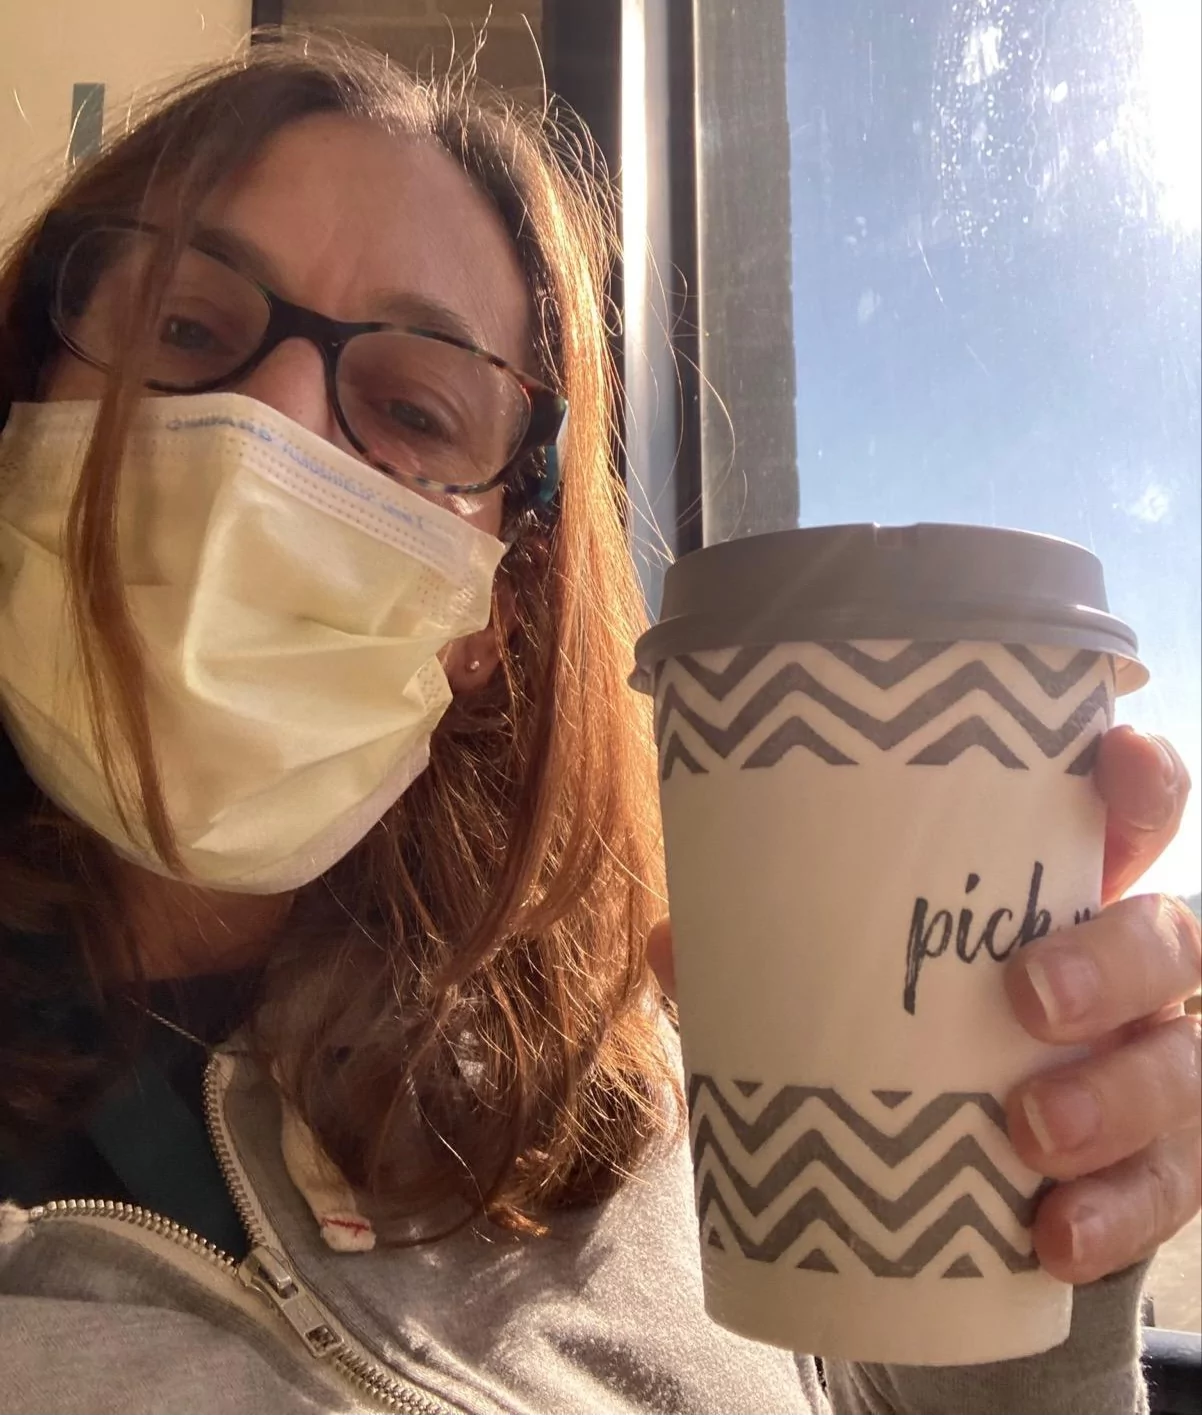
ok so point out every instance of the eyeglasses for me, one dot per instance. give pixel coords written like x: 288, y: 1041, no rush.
x: 421, y: 405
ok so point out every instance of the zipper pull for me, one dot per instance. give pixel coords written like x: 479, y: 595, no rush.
x: 265, y: 1271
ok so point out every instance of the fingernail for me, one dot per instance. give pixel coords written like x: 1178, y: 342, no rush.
x: 1168, y: 762
x: 1065, y: 980
x: 1063, y: 1115
x: 1087, y: 1232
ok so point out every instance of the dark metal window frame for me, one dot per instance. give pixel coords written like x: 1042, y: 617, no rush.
x: 686, y: 319
x: 264, y: 16
x: 582, y: 49
x: 581, y: 44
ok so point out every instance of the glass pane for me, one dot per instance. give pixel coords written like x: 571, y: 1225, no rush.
x: 745, y: 257
x: 995, y: 211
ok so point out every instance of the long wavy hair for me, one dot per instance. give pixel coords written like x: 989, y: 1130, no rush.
x: 474, y: 971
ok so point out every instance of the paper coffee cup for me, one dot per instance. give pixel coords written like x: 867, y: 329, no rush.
x: 875, y: 748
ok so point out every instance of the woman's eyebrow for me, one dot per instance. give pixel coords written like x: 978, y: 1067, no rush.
x: 249, y: 258
x: 394, y: 306
x: 420, y: 311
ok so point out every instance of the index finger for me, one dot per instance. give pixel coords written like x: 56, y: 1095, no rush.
x: 1082, y: 983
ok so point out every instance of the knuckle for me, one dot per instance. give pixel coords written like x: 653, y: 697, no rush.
x: 1186, y: 1032
x: 1177, y: 1070
x: 1186, y: 933
x: 1169, y: 1193
x: 1156, y: 1083
x: 1163, y: 950
x: 1147, y: 921
x: 1189, y: 1029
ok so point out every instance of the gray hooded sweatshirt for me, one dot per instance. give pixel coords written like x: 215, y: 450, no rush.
x: 105, y: 1308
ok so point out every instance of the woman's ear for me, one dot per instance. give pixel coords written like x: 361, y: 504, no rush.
x: 470, y: 662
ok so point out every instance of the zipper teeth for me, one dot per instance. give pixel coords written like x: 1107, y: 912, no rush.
x: 225, y: 1159
x: 362, y: 1371
x: 382, y: 1388
x: 140, y: 1218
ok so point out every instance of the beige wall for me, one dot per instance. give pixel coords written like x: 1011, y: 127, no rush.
x: 130, y: 46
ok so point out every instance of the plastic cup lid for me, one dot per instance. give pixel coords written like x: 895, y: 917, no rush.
x: 933, y: 583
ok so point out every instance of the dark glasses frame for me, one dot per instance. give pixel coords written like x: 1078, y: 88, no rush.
x: 534, y: 480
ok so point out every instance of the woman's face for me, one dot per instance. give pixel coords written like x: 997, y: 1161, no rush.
x: 358, y: 225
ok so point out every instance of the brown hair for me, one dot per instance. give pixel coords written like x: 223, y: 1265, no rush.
x: 477, y: 964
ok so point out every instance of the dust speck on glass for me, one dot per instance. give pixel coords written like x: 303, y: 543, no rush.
x: 988, y: 306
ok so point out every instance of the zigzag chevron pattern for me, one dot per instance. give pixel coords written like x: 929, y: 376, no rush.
x: 892, y: 1195
x: 839, y: 703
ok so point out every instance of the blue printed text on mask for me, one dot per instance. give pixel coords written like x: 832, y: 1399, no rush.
x: 327, y: 474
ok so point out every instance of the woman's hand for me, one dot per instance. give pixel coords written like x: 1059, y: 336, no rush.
x: 1122, y: 1129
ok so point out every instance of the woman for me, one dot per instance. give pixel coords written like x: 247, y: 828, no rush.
x: 284, y: 374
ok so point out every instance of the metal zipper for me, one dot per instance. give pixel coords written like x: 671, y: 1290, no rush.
x: 111, y: 1213
x: 262, y: 1273
x: 111, y: 1209
x: 265, y: 1271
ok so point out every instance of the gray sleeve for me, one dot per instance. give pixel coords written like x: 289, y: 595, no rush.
x: 1095, y: 1372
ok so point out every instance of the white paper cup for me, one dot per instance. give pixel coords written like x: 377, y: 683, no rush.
x: 859, y: 832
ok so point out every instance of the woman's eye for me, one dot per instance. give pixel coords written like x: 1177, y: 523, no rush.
x: 188, y: 335
x: 409, y: 417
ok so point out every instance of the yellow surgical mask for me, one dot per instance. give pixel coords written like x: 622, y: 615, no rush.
x: 292, y: 605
